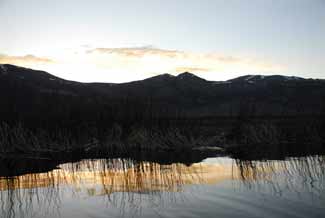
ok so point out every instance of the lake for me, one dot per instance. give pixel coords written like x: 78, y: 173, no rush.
x: 127, y: 187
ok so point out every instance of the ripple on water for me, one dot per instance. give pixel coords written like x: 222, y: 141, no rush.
x: 216, y: 187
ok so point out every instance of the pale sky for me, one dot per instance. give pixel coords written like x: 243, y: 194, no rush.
x: 125, y: 40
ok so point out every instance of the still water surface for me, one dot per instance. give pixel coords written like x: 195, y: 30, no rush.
x: 214, y: 187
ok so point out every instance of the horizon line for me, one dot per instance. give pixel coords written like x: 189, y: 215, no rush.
x: 169, y: 74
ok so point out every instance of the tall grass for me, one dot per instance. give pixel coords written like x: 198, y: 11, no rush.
x: 19, y: 139
x: 171, y: 138
x: 246, y: 135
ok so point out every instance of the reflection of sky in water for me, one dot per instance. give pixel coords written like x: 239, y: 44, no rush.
x: 216, y: 187
x: 219, y: 160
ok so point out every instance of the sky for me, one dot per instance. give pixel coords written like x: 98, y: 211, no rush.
x: 126, y: 40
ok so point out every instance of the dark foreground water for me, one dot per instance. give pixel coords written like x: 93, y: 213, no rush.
x: 214, y: 187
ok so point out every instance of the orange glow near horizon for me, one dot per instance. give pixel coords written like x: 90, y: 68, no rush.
x: 134, y: 63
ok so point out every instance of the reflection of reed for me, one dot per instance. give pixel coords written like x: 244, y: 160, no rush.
x: 26, y: 194
x: 18, y: 199
x: 117, y: 175
x: 304, y: 174
x: 103, y: 177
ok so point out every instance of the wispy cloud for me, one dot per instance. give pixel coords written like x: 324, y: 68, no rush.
x: 138, y: 52
x: 26, y: 59
x: 159, y: 60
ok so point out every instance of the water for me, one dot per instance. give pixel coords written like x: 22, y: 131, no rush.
x: 213, y: 187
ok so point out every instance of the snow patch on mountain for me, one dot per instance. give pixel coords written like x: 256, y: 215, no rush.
x: 250, y: 77
x: 3, y: 69
x: 292, y: 78
x: 255, y: 78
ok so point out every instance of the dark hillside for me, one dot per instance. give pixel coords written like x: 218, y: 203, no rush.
x: 55, y: 108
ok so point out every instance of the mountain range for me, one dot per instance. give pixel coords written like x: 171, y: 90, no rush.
x: 41, y: 111
x: 185, y: 94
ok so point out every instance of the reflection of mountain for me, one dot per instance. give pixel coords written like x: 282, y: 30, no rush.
x: 123, y: 175
x: 127, y: 175
x: 120, y: 181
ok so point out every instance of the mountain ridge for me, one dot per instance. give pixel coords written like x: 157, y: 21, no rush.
x: 167, y: 95
x: 184, y: 75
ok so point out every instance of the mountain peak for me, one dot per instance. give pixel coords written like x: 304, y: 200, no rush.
x: 188, y: 75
